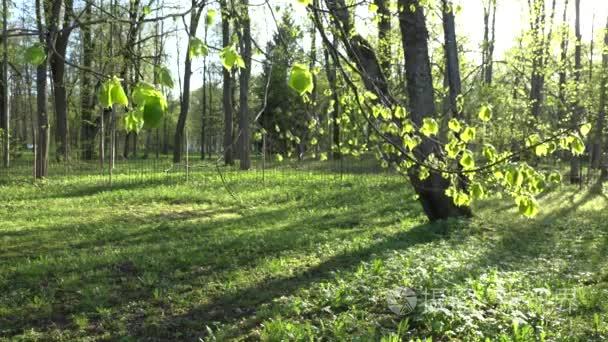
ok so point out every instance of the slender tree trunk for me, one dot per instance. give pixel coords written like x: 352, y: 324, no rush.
x: 330, y: 70
x: 227, y: 92
x: 599, y: 142
x: 563, y: 63
x: 185, y: 104
x: 86, y: 96
x: 5, y: 100
x: 575, y: 171
x: 384, y: 31
x: 489, y: 41
x: 42, y: 148
x: 245, y: 75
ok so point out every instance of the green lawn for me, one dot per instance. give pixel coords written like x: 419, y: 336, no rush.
x: 298, y: 257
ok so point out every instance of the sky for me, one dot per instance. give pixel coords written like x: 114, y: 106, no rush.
x: 511, y: 19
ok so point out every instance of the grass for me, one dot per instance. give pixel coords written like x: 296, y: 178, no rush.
x: 294, y: 258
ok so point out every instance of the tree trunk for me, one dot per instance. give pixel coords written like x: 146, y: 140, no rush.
x: 384, y: 32
x: 330, y: 70
x: 58, y: 43
x: 599, y: 162
x: 185, y: 104
x: 245, y: 75
x: 227, y: 91
x: 86, y: 90
x: 42, y: 148
x: 575, y: 161
x: 5, y: 125
x: 431, y: 191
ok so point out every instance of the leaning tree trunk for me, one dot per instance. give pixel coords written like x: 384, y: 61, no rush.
x: 185, y: 105
x: 227, y: 92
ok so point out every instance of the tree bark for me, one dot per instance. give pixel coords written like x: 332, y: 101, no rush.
x: 227, y: 91
x: 245, y: 75
x: 42, y: 148
x: 58, y: 43
x: 384, y: 32
x: 185, y: 105
x: 431, y: 191
x: 414, y: 34
x: 598, y: 160
x: 575, y: 171
x: 330, y: 70
x: 5, y: 125
x: 86, y: 89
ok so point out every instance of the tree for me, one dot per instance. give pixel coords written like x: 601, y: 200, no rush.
x: 599, y: 141
x: 42, y: 148
x: 5, y: 115
x: 245, y: 75
x: 185, y: 101
x: 57, y: 43
x: 575, y: 162
x: 86, y: 88
x: 227, y: 94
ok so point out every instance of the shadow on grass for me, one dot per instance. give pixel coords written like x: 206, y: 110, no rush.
x: 105, y: 263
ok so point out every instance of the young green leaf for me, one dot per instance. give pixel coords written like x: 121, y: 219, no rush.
x: 429, y: 127
x: 35, y: 55
x: 485, y: 113
x: 210, y: 17
x: 454, y: 125
x: 300, y: 79
x: 118, y: 93
x: 577, y: 147
x: 231, y: 58
x: 164, y: 77
x: 467, y: 160
x: 468, y: 134
x: 197, y: 48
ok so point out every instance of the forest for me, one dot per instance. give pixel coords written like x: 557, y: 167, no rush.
x: 304, y: 170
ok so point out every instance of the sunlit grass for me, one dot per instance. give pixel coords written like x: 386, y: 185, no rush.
x: 295, y: 256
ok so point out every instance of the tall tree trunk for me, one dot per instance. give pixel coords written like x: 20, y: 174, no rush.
x: 86, y: 89
x: 5, y: 125
x: 431, y: 191
x: 58, y: 43
x: 330, y: 70
x: 384, y: 32
x: 185, y: 104
x: 575, y: 161
x: 227, y: 91
x: 245, y: 75
x: 563, y: 63
x: 599, y: 162
x: 489, y: 41
x: 204, y: 99
x: 42, y: 148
